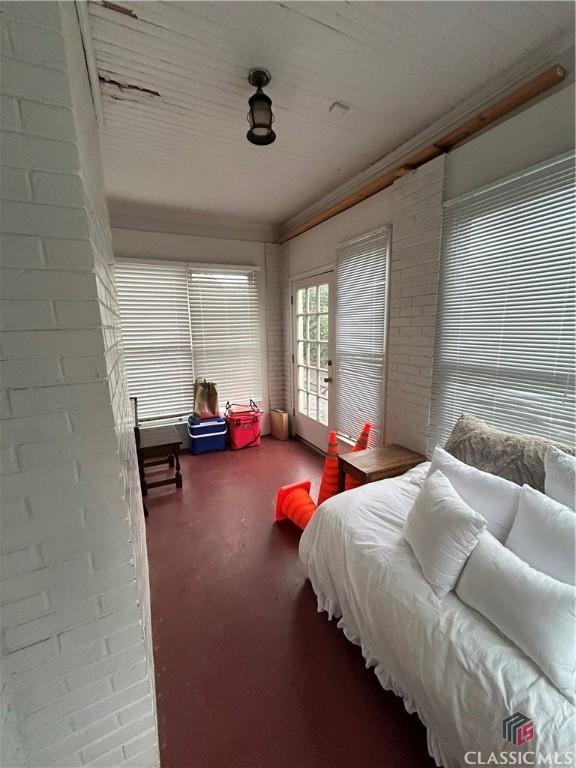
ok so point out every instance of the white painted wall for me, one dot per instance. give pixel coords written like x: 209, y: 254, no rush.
x: 414, y: 264
x: 276, y: 281
x: 77, y: 667
x: 317, y: 247
x: 543, y: 131
x: 160, y: 245
x: 125, y: 214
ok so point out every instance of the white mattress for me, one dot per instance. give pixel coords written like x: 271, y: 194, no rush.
x: 452, y: 668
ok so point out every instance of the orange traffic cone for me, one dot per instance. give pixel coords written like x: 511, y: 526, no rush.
x: 361, y: 444
x: 293, y: 502
x: 329, y: 484
x: 283, y: 493
x: 363, y: 437
x: 299, y: 507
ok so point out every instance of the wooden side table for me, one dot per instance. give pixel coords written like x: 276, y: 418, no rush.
x: 162, y: 444
x: 377, y: 463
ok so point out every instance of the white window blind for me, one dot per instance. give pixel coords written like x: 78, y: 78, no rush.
x: 153, y: 304
x: 225, y: 330
x: 361, y: 299
x: 505, y: 331
x: 180, y: 322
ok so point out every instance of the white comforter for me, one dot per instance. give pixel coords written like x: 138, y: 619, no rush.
x: 453, y: 668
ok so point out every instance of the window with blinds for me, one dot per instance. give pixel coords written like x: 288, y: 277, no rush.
x: 181, y: 322
x: 153, y: 305
x: 505, y: 331
x: 361, y: 310
x: 225, y: 331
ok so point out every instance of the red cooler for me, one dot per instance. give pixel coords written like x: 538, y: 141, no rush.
x: 244, y: 425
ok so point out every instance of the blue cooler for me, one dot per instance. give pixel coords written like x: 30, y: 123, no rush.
x: 207, y: 434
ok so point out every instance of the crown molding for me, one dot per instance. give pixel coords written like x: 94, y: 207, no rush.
x: 560, y: 51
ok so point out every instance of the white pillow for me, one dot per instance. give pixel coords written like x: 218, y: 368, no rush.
x: 442, y: 531
x: 544, y: 535
x: 493, y: 497
x: 560, y: 478
x: 533, y: 610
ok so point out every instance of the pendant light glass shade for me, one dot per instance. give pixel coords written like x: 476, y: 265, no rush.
x: 260, y: 115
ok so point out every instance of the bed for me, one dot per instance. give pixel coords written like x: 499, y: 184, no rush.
x: 451, y: 666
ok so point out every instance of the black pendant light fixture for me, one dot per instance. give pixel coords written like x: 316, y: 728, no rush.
x: 260, y: 114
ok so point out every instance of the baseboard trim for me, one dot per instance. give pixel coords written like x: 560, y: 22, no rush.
x: 311, y: 446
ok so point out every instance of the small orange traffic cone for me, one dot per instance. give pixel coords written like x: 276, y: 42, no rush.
x: 294, y: 502
x: 299, y: 507
x: 361, y: 444
x: 363, y: 437
x: 329, y: 484
x: 283, y: 493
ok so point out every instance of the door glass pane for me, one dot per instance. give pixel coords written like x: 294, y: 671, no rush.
x: 302, y: 402
x: 313, y: 354
x: 323, y: 298
x: 302, y: 356
x: 302, y: 377
x: 313, y: 327
x: 322, y: 410
x: 312, y: 299
x: 312, y: 406
x: 324, y: 356
x: 323, y: 386
x: 301, y: 301
x: 323, y: 319
x: 301, y: 327
x: 313, y: 381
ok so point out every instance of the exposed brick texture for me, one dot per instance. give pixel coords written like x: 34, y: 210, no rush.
x: 276, y: 287
x: 77, y: 669
x: 286, y: 308
x: 416, y: 231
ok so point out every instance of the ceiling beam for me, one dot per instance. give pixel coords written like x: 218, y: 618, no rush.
x: 444, y: 143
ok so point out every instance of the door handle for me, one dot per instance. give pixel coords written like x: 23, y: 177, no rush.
x: 327, y: 380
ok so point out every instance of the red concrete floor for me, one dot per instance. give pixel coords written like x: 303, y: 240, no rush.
x: 248, y: 674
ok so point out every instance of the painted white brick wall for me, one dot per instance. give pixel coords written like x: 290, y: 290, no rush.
x: 286, y: 306
x: 11, y: 749
x: 77, y: 668
x: 415, y: 254
x: 276, y: 287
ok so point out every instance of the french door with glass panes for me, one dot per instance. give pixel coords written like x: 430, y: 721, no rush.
x: 313, y: 350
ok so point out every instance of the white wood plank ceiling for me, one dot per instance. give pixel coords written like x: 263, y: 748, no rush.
x: 399, y: 66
